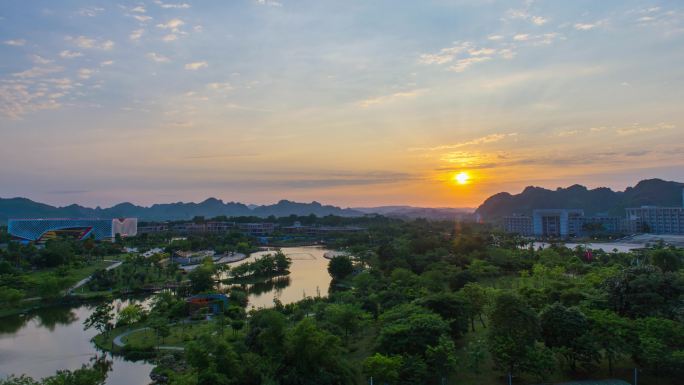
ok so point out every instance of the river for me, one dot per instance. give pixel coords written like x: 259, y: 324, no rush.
x: 44, y: 341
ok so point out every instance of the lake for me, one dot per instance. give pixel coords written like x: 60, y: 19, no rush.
x: 51, y: 339
x: 308, y: 277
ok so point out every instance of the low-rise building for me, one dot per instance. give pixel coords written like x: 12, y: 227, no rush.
x: 298, y: 228
x: 191, y: 257
x: 257, y: 229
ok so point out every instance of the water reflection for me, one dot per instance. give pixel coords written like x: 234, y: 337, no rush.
x: 308, y: 278
x: 50, y: 339
x: 276, y: 284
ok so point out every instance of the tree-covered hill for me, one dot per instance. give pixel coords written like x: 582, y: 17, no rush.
x: 600, y: 200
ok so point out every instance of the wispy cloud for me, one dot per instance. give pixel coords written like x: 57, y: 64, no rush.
x: 66, y: 54
x: 463, y: 64
x: 445, y: 55
x: 90, y: 43
x: 637, y: 128
x: 196, y: 65
x: 220, y: 86
x: 136, y: 34
x: 142, y: 18
x: 491, y: 138
x: 90, y: 11
x: 40, y: 60
x: 157, y: 57
x: 172, y: 5
x: 85, y: 73
x: 538, y: 20
x: 366, y: 103
x: 524, y: 14
x: 172, y: 24
x: 37, y: 72
x: 272, y: 3
x: 588, y: 26
x: 15, y: 42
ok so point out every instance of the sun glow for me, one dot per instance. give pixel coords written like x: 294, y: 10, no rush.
x: 462, y: 177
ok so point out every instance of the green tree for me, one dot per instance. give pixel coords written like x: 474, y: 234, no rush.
x: 513, y: 330
x: 340, y: 267
x: 661, y: 346
x: 567, y: 331
x: 612, y: 334
x: 237, y: 325
x: 478, y: 299
x: 452, y: 308
x: 383, y: 369
x: 314, y: 356
x: 131, y: 314
x: 202, y: 278
x: 475, y: 355
x: 667, y: 259
x: 213, y: 361
x: 101, y: 319
x: 11, y: 296
x: 345, y: 316
x: 441, y: 358
x: 161, y: 328
x: 410, y: 329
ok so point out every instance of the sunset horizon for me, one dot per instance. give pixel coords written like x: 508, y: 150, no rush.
x: 376, y: 105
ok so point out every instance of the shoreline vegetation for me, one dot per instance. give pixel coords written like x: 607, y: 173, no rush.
x: 409, y: 302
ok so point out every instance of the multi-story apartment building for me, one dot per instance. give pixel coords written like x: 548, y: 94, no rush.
x: 518, y: 224
x: 557, y: 223
x: 656, y: 220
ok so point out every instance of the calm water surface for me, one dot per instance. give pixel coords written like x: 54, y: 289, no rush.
x: 52, y: 339
x: 308, y: 277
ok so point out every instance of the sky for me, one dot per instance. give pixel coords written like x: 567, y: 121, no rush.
x: 353, y: 103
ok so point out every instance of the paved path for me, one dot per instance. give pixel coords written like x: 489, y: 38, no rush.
x: 118, y: 342
x: 88, y: 278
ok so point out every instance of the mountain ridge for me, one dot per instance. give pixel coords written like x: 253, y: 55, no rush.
x: 655, y: 192
x: 211, y: 207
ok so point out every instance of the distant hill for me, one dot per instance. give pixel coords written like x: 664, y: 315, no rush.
x: 212, y: 207
x: 410, y: 212
x: 654, y: 192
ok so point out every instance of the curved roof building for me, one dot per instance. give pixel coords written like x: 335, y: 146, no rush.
x: 41, y: 230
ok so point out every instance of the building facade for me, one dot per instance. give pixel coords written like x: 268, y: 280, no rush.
x: 557, y: 223
x: 298, y: 228
x: 44, y: 229
x: 518, y: 224
x: 656, y: 220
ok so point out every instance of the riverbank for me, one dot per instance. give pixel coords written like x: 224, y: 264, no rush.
x: 74, y: 278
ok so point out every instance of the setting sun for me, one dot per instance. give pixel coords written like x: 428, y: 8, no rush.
x: 462, y: 177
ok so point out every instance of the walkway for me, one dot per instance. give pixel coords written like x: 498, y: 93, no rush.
x: 119, y: 343
x: 88, y: 278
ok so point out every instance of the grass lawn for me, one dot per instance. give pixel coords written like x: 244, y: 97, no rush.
x: 73, y: 275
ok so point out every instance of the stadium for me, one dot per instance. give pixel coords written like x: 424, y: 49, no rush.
x: 44, y: 229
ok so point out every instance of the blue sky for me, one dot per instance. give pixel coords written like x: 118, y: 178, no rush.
x: 347, y: 102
